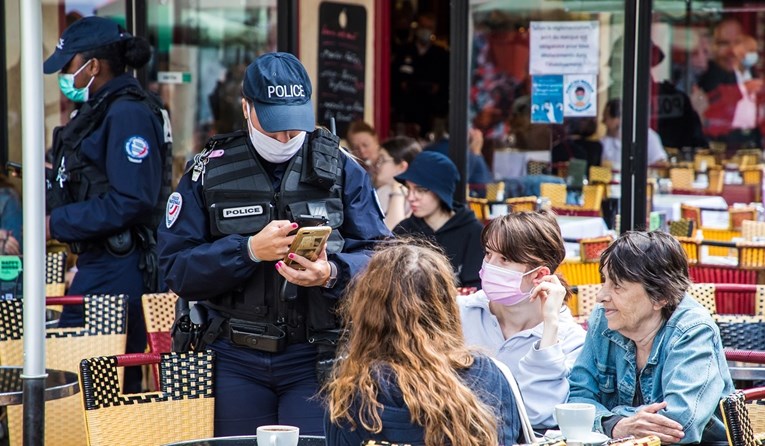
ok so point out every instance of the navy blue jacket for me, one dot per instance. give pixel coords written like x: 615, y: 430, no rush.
x: 483, y: 377
x: 134, y: 179
x: 197, y: 267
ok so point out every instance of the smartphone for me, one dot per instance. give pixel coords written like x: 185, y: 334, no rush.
x: 308, y: 243
x: 305, y: 220
x: 13, y: 169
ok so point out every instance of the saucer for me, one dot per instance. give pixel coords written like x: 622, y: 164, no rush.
x: 591, y: 439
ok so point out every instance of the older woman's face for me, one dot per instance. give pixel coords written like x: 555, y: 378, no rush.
x: 629, y: 310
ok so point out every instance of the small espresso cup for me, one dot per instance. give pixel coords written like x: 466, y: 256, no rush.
x: 278, y: 435
x: 575, y: 420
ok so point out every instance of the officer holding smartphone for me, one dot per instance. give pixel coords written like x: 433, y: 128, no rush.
x: 228, y: 228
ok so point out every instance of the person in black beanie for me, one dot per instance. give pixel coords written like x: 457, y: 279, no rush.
x: 431, y: 180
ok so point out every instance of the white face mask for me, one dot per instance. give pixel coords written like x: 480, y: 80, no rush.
x: 750, y: 59
x: 270, y: 149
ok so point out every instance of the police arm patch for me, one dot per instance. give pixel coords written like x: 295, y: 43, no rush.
x: 174, y: 204
x: 136, y: 149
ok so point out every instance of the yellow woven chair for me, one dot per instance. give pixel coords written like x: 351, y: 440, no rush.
x: 716, y: 180
x: 600, y: 174
x: 555, y: 192
x: 493, y: 190
x: 522, y: 204
x: 578, y: 273
x: 593, y: 198
x: 682, y: 178
x: 159, y: 314
x: 719, y: 235
x: 104, y: 333
x: 751, y: 229
x: 480, y: 207
x: 699, y: 161
x: 691, y: 247
x: 752, y: 175
x: 183, y: 408
x: 743, y: 414
x: 751, y: 255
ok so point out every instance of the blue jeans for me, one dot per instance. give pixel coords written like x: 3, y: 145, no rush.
x: 254, y: 388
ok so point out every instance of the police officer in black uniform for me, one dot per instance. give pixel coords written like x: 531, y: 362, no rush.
x: 111, y: 171
x: 228, y: 227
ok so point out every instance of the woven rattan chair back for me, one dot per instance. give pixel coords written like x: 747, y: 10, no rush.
x: 159, y: 314
x: 691, y: 213
x: 691, y: 247
x: 586, y: 298
x: 682, y: 178
x: 104, y: 333
x: 522, y: 204
x: 716, y: 180
x: 535, y: 167
x: 593, y: 196
x: 683, y: 227
x: 751, y: 229
x: 743, y: 413
x: 741, y: 332
x: 590, y: 249
x: 495, y: 190
x: 480, y: 207
x: 704, y: 293
x: 751, y: 255
x: 555, y: 192
x: 182, y: 409
x: 55, y: 270
x: 600, y: 174
x: 752, y: 175
x: 737, y: 216
x: 703, y: 161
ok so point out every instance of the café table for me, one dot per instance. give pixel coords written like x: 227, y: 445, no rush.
x: 246, y: 440
x: 58, y: 384
x: 670, y: 205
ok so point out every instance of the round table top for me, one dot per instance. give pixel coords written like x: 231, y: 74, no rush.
x: 58, y: 384
x: 246, y: 440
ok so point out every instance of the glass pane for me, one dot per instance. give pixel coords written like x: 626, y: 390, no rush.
x: 201, y: 50
x: 56, y: 16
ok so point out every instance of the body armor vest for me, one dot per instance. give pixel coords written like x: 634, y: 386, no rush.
x: 240, y: 199
x: 75, y: 179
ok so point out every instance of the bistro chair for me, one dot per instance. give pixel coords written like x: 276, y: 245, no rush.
x: 703, y: 162
x: 590, y: 249
x: 683, y: 227
x: 535, y: 167
x: 716, y: 180
x: 495, y: 190
x: 743, y: 413
x: 522, y: 204
x: 682, y: 178
x: 704, y: 293
x: 691, y: 246
x: 737, y: 216
x: 752, y: 175
x: 182, y: 408
x: 578, y: 273
x: 104, y: 333
x: 55, y: 272
x: 601, y: 175
x: 741, y: 332
x: 751, y: 229
x: 159, y: 314
x: 480, y: 207
x: 583, y: 301
x: 691, y: 213
x: 555, y: 192
x: 593, y: 199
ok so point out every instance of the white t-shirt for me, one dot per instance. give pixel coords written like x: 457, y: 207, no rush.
x: 612, y: 149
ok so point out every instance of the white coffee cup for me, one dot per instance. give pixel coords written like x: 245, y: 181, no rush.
x: 575, y: 420
x: 278, y: 435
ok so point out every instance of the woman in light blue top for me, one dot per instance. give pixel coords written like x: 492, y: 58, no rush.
x: 653, y: 362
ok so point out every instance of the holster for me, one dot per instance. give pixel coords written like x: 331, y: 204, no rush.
x: 257, y: 336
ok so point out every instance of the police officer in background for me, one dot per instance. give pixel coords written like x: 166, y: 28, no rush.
x: 110, y: 173
x: 228, y: 227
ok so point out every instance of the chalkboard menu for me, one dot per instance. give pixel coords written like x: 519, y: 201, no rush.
x: 342, y: 59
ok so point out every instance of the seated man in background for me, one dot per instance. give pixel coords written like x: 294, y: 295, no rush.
x: 612, y: 141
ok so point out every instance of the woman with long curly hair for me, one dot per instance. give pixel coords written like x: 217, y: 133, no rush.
x: 405, y: 373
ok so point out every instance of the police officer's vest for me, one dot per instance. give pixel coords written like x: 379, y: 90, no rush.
x: 240, y: 199
x: 74, y: 178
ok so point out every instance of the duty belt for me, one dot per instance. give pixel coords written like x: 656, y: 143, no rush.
x: 259, y: 335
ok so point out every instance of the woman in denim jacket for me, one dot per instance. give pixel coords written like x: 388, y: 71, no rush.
x: 653, y: 362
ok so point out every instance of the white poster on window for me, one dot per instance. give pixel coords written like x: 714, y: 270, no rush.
x: 579, y: 98
x: 564, y: 47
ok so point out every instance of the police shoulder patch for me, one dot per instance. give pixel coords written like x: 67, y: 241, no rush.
x: 136, y: 149
x: 174, y: 204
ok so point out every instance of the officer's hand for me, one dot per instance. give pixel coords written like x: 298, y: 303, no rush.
x: 316, y: 273
x: 273, y: 241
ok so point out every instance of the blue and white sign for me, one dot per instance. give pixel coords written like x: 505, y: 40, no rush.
x: 136, y: 149
x: 547, y: 99
x: 580, y: 98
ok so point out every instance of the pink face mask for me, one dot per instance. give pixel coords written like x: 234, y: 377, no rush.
x: 502, y: 285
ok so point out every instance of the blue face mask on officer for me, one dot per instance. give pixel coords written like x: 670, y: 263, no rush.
x: 66, y: 84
